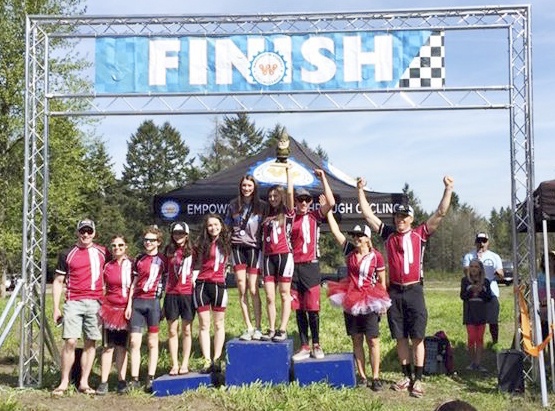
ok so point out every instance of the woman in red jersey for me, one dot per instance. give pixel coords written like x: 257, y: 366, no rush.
x: 117, y: 283
x: 211, y: 253
x: 178, y: 302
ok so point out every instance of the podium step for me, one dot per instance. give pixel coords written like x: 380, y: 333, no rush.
x: 177, y: 384
x: 338, y: 370
x: 251, y: 361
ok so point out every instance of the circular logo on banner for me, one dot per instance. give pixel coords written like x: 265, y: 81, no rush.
x: 268, y: 68
x: 169, y: 209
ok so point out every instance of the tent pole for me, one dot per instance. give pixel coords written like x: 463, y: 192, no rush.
x: 548, y: 297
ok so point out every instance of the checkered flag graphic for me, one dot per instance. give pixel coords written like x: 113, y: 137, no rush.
x: 427, y: 69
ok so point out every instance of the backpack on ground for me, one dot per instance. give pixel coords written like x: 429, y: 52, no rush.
x: 439, y: 354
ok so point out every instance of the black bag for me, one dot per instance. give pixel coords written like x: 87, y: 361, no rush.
x: 439, y: 354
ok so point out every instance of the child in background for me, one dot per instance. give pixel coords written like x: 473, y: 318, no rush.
x: 475, y: 292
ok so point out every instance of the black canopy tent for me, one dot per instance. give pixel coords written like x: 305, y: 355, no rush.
x: 544, y: 205
x: 212, y: 195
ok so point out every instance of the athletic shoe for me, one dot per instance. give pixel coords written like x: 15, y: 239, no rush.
x: 280, y: 336
x: 362, y: 383
x: 376, y: 385
x: 302, y: 354
x: 417, y: 389
x: 470, y: 367
x: 217, y: 365
x: 268, y: 336
x: 102, y: 388
x: 481, y: 368
x: 317, y: 352
x: 122, y: 387
x: 134, y: 385
x: 148, y: 384
x: 206, y: 366
x: 257, y: 335
x: 247, y: 335
x: 401, y: 385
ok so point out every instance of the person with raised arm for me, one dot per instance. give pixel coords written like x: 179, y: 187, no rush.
x: 407, y: 316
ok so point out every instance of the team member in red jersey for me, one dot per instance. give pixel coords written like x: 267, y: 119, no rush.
x: 81, y: 268
x: 178, y: 302
x: 363, y: 297
x: 143, y: 306
x: 243, y: 218
x: 305, y: 286
x: 408, y: 315
x: 278, y: 256
x: 117, y: 283
x: 212, y: 251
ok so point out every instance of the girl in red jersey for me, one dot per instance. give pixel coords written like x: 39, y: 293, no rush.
x: 362, y: 295
x: 117, y: 283
x: 143, y: 307
x: 278, y: 256
x: 178, y: 302
x: 211, y: 253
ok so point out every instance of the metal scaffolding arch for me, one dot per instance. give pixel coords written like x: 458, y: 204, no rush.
x: 515, y: 96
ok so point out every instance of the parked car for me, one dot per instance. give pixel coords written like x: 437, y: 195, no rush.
x: 508, y: 269
x: 339, y: 274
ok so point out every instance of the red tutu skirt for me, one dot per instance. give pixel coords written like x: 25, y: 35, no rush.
x: 358, y: 301
x: 112, y: 316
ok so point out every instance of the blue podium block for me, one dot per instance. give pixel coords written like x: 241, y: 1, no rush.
x: 176, y: 384
x: 251, y: 361
x: 338, y: 370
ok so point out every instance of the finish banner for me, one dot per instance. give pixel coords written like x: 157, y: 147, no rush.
x: 280, y: 62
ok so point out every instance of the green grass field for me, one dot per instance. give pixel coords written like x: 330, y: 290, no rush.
x: 445, y: 313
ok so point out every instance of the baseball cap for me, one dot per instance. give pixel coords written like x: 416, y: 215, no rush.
x: 364, y: 230
x: 299, y: 192
x: 85, y: 223
x: 482, y: 236
x: 179, y: 226
x: 403, y: 209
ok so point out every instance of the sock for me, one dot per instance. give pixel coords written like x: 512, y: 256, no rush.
x: 302, y: 325
x: 314, y: 322
x: 494, y: 330
x: 407, y: 370
x: 418, y: 371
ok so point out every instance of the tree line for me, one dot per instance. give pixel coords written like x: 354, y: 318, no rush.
x: 83, y: 182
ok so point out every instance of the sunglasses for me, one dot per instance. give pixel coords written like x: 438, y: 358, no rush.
x: 179, y: 232
x: 119, y: 245
x: 357, y: 235
x: 86, y: 231
x: 150, y: 240
x: 482, y: 240
x: 304, y: 199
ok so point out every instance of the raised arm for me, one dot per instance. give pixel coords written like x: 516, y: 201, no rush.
x: 290, y: 189
x: 334, y: 227
x: 435, y: 219
x: 330, y: 200
x: 373, y: 221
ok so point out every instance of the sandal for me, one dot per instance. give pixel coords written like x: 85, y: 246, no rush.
x: 87, y: 391
x: 183, y: 371
x: 58, y: 392
x: 174, y: 371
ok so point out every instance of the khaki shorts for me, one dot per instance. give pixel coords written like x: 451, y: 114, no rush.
x: 81, y: 320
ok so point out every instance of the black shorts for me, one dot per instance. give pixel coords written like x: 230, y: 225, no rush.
x: 278, y: 267
x: 407, y: 316
x: 367, y: 324
x: 114, y: 338
x: 146, y: 313
x: 245, y: 258
x: 305, y: 276
x: 210, y: 295
x: 179, y: 306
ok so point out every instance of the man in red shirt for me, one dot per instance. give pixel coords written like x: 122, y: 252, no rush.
x: 407, y: 316
x: 80, y: 267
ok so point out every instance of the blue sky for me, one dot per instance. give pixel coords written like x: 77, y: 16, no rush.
x: 390, y: 149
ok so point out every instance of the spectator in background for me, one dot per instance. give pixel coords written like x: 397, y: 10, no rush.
x: 494, y: 271
x: 143, y: 307
x: 305, y: 285
x: 178, y: 302
x: 117, y: 283
x: 80, y: 267
x: 244, y: 217
x: 407, y: 315
x: 475, y: 293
